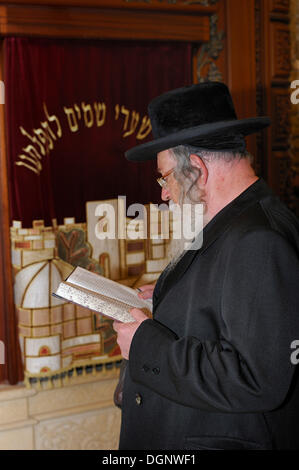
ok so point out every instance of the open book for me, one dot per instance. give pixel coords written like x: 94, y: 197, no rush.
x: 93, y: 291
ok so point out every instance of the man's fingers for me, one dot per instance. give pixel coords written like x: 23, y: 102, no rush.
x: 145, y: 295
x: 116, y: 324
x: 146, y: 287
x: 137, y: 314
x: 146, y: 291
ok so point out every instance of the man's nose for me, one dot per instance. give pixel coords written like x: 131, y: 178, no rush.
x: 165, y: 194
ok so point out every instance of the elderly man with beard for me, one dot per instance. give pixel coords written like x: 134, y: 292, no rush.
x: 212, y: 369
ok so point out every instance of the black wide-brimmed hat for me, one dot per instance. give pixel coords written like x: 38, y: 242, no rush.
x: 200, y: 115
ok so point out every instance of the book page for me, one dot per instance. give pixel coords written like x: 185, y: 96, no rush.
x: 106, y: 306
x: 101, y: 285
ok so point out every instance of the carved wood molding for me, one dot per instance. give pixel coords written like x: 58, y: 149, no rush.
x: 102, y: 23
x: 259, y: 162
x: 281, y: 52
x: 281, y: 106
x: 208, y: 54
x: 273, y: 67
x: 280, y: 6
x: 173, y: 3
x: 201, y: 6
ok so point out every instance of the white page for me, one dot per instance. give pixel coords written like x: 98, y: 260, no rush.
x: 102, y: 285
x: 111, y: 308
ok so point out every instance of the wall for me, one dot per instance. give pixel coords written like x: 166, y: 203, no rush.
x: 80, y: 416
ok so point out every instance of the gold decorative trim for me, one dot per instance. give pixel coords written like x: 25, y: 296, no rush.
x: 209, y: 52
x: 30, y: 282
x: 60, y: 377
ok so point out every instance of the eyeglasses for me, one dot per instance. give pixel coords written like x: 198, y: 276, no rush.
x: 162, y: 181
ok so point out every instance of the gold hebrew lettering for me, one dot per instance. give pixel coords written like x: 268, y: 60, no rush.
x: 33, y: 160
x: 100, y: 109
x: 87, y: 110
x: 134, y: 122
x: 78, y: 110
x: 44, y: 138
x: 116, y: 111
x: 72, y: 120
x: 28, y: 166
x: 126, y: 112
x: 52, y: 119
x: 48, y: 130
x: 36, y: 165
x: 33, y: 139
x: 145, y: 128
x: 32, y: 152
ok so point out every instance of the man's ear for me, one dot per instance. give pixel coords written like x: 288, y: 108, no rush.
x: 200, y: 164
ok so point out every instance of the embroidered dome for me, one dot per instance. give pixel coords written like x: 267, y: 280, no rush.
x: 35, y: 284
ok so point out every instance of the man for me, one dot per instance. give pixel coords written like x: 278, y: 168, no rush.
x: 213, y: 369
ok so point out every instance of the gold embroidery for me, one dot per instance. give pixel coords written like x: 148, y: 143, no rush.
x: 43, y: 138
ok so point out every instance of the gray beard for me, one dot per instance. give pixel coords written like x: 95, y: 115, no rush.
x: 175, y: 252
x: 176, y: 247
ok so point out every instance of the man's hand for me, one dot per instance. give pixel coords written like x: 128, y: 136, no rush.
x: 126, y: 331
x: 146, y: 291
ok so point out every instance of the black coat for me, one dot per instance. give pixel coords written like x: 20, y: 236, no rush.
x: 212, y: 370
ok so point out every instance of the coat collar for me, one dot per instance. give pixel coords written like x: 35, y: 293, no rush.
x: 213, y: 230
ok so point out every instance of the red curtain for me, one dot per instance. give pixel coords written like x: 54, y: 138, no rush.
x: 72, y: 109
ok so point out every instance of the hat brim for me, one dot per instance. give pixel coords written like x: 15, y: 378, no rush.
x: 149, y: 150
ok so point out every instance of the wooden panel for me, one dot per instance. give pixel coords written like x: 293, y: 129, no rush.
x: 276, y: 69
x: 280, y: 118
x: 280, y: 6
x: 281, y: 51
x: 241, y: 59
x: 201, y: 6
x: 273, y: 55
x: 281, y: 165
x: 102, y: 23
x: 260, y: 163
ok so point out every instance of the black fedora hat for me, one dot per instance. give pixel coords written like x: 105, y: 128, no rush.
x: 201, y: 115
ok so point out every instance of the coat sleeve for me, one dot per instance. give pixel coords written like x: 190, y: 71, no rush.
x: 249, y: 368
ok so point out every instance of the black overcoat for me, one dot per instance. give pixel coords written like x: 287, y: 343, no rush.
x: 213, y: 368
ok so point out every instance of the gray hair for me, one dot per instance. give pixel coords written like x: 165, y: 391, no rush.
x: 187, y: 175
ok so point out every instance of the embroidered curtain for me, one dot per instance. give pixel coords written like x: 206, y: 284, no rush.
x: 72, y: 109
